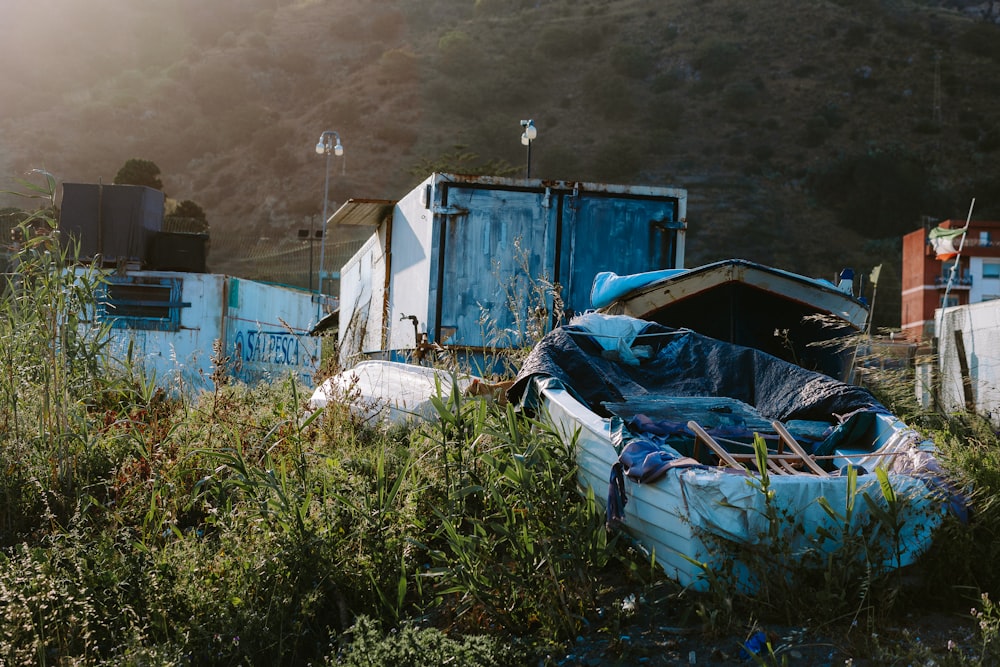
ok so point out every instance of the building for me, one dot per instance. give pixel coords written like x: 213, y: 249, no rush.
x: 936, y: 275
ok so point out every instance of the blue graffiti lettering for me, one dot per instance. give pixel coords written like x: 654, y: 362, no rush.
x: 268, y: 347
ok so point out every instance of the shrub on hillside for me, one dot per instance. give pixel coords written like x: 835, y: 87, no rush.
x: 718, y: 58
x: 982, y: 39
x: 665, y: 82
x: 880, y: 193
x: 856, y: 35
x: 633, y: 60
x: 608, y: 96
x: 137, y: 171
x: 560, y: 41
x: 457, y: 51
x: 815, y: 132
x: 398, y: 65
x: 740, y: 95
x: 388, y: 25
x: 500, y: 7
x: 616, y: 161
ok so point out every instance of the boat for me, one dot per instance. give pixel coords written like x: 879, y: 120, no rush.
x: 791, y: 316
x: 390, y: 392
x: 664, y: 423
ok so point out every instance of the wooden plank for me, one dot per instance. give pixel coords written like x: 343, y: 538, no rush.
x: 963, y: 366
x: 781, y: 467
x: 794, y: 445
x: 702, y: 435
x: 789, y: 468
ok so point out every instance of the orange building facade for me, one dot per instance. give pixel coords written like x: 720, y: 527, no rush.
x: 929, y: 282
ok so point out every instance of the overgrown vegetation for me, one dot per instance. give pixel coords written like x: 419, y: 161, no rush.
x: 141, y: 528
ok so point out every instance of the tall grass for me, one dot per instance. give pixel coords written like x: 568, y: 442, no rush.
x: 136, y: 528
x: 228, y: 529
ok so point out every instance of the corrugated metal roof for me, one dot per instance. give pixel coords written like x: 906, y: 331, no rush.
x: 363, y: 212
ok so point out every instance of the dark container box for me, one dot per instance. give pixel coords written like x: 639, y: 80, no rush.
x: 178, y: 251
x: 113, y: 221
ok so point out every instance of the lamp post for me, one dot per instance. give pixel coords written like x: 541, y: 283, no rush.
x: 329, y: 142
x: 312, y: 237
x: 527, y: 136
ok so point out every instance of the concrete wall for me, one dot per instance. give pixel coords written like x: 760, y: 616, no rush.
x: 263, y: 329
x: 976, y: 328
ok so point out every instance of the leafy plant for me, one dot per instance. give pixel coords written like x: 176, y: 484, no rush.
x: 137, y: 171
x: 531, y: 306
x: 463, y: 161
x: 524, y: 550
x: 415, y: 646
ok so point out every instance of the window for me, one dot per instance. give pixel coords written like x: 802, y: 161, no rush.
x: 951, y: 301
x: 984, y: 239
x: 991, y: 269
x: 142, y: 303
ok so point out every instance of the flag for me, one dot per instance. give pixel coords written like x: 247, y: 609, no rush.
x: 873, y: 276
x: 944, y: 241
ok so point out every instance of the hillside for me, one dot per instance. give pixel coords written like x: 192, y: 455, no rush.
x: 810, y: 135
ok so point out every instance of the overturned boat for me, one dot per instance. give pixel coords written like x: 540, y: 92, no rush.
x: 391, y: 392
x: 667, y: 420
x: 791, y: 316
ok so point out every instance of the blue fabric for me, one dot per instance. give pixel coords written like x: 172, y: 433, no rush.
x: 641, y: 461
x: 610, y: 286
x: 754, y: 645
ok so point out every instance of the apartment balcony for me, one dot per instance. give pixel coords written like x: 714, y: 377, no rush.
x: 960, y: 283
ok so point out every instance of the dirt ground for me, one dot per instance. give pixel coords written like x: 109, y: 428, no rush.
x: 648, y: 633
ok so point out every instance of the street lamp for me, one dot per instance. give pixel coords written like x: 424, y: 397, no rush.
x: 326, y: 146
x: 527, y: 136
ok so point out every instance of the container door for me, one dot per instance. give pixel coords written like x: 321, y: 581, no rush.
x: 498, y: 248
x: 606, y: 232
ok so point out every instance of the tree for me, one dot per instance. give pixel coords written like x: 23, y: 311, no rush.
x: 136, y: 171
x: 187, y: 216
x: 189, y: 209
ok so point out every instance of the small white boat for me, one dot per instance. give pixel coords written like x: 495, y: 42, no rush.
x: 390, y: 391
x: 668, y: 418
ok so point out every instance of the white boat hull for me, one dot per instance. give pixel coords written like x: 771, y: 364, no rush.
x: 686, y: 518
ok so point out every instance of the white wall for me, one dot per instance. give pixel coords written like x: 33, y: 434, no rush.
x: 980, y: 327
x: 263, y: 329
x: 412, y: 239
x: 362, y: 298
x: 983, y: 289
